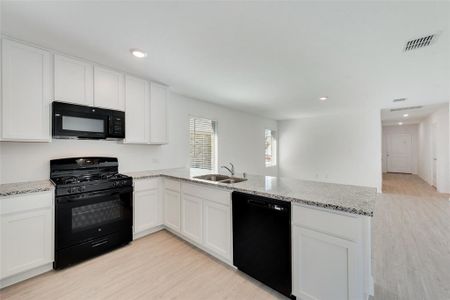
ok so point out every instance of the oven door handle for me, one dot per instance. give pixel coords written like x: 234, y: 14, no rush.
x: 100, y: 243
x: 84, y: 196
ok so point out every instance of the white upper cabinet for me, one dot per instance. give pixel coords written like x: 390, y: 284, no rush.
x: 74, y: 81
x: 26, y: 93
x: 158, y: 113
x: 137, y: 110
x: 109, y: 88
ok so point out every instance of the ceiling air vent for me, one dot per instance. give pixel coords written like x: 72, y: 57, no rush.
x: 420, y: 42
x: 406, y: 108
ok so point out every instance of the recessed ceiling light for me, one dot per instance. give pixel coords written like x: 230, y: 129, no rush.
x: 405, y: 115
x: 138, y: 53
x: 400, y: 123
x: 323, y: 98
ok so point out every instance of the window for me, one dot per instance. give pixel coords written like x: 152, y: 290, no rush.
x: 202, y: 139
x: 271, y: 148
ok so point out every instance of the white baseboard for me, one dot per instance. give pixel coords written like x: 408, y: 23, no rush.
x: 25, y: 275
x: 201, y: 248
x: 138, y: 235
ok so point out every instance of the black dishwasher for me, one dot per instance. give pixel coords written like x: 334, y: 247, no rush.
x: 262, y: 240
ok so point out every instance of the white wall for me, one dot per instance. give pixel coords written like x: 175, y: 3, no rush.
x: 413, y: 130
x: 343, y: 148
x: 240, y: 140
x: 425, y: 170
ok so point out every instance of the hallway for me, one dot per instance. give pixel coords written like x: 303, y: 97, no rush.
x: 410, y: 185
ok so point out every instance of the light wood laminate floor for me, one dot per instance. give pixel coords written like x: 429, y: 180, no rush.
x: 409, y: 184
x: 411, y: 261
x: 159, y: 266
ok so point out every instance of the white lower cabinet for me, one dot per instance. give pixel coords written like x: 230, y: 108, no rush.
x: 191, y: 216
x: 147, y: 207
x: 206, y: 219
x: 26, y: 242
x: 327, y: 255
x: 217, y: 228
x: 172, y: 204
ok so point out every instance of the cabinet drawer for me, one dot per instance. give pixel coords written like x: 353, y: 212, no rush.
x: 25, y: 202
x: 171, y: 184
x: 146, y: 184
x: 211, y: 194
x: 329, y: 222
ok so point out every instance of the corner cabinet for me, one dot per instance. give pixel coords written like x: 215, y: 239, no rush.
x: 26, y: 240
x: 74, y: 80
x: 158, y: 113
x: 147, y: 206
x: 26, y: 93
x: 109, y: 88
x: 172, y: 204
x: 329, y: 255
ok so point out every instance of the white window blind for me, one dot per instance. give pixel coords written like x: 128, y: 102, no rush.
x: 202, y: 136
x: 271, y: 148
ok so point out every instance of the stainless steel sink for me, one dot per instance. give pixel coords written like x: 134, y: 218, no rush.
x: 213, y: 177
x: 221, y: 178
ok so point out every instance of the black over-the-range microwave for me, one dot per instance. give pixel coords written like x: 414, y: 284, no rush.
x: 86, y: 122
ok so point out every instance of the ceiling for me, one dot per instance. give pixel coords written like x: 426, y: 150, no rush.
x: 270, y: 58
x: 415, y: 115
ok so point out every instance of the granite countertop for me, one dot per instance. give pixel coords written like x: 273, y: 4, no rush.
x: 9, y: 189
x: 347, y: 198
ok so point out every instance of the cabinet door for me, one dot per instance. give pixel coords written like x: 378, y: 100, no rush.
x: 74, y: 81
x: 324, y: 266
x: 26, y: 241
x: 108, y: 89
x: 172, y: 209
x: 217, y: 228
x: 137, y: 110
x: 158, y: 114
x: 26, y: 96
x: 146, y: 210
x: 191, y: 217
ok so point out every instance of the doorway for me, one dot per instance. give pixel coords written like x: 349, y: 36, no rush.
x: 399, y: 150
x: 416, y: 150
x: 434, y: 151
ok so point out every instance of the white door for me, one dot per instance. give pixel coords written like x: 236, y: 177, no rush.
x: 137, y: 110
x: 217, y: 228
x: 324, y: 266
x: 109, y: 89
x: 191, y: 217
x: 399, y: 151
x: 74, y: 81
x: 172, y: 209
x: 26, y: 94
x: 158, y: 112
x: 434, y: 153
x: 146, y: 210
x: 26, y: 241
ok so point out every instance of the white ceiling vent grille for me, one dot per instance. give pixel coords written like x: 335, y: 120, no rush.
x: 406, y: 108
x: 420, y: 42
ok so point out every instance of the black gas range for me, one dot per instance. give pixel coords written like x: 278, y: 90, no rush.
x: 94, y: 211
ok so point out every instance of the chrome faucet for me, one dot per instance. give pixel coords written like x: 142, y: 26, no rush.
x: 231, y: 170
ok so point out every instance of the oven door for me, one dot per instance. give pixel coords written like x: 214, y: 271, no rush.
x: 77, y: 121
x: 87, y: 216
